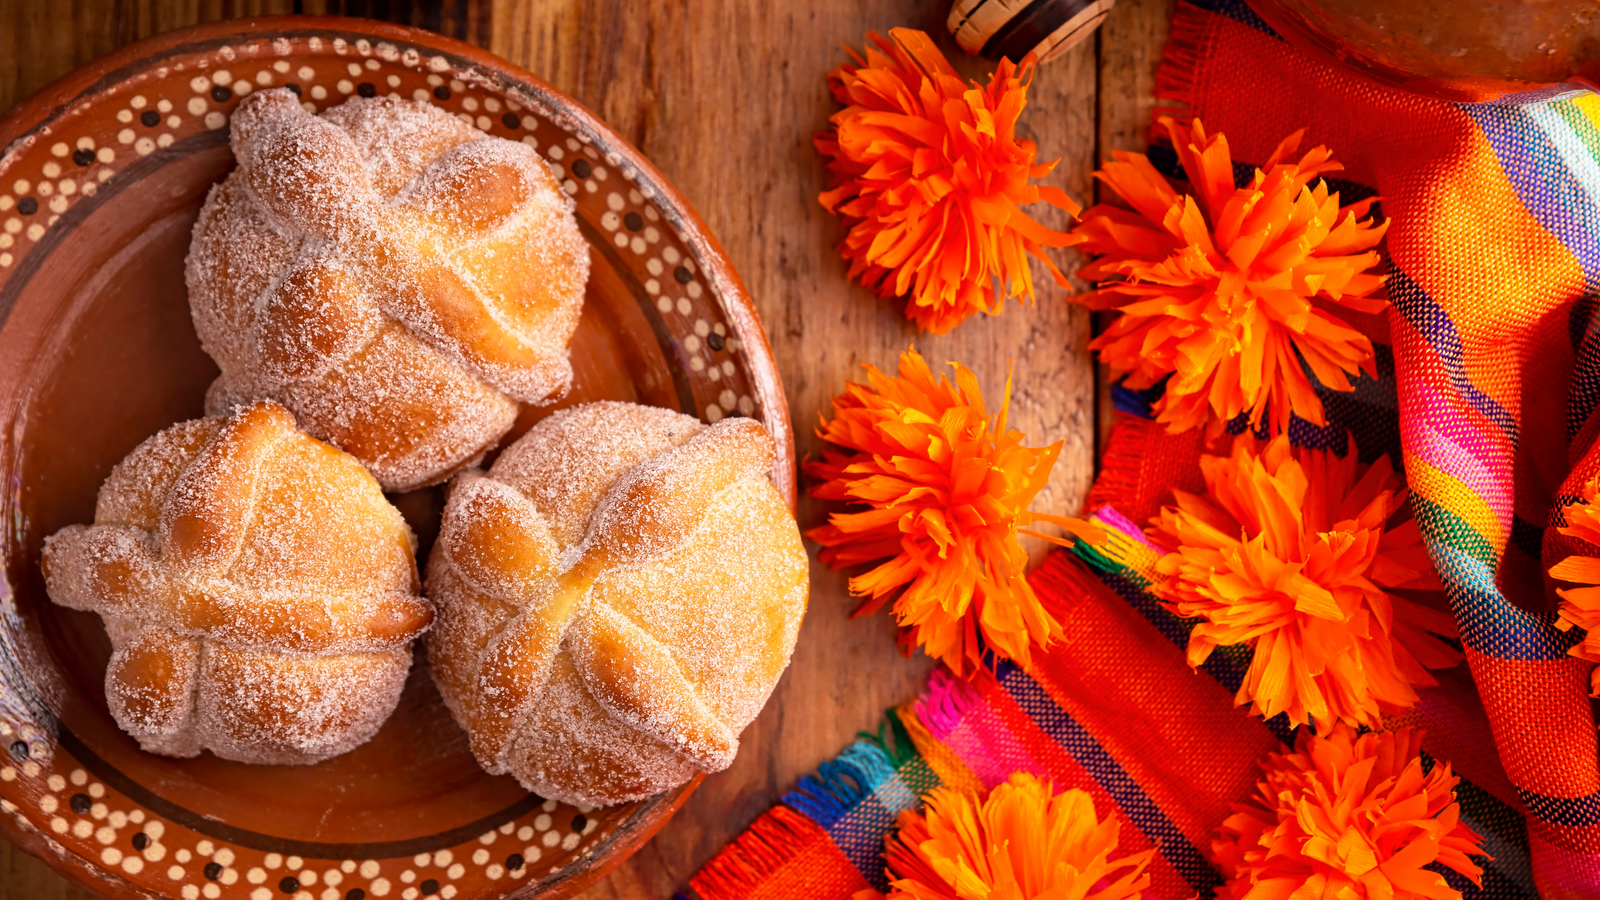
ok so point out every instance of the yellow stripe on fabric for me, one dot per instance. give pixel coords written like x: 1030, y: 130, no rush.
x: 1444, y: 491
x: 952, y: 772
x: 1126, y: 552
x: 1589, y: 105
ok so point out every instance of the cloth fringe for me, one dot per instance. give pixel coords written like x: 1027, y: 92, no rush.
x: 943, y: 761
x: 1109, y: 515
x: 776, y: 837
x: 1120, y: 461
x: 899, y: 749
x: 945, y: 701
x: 1180, y: 62
x: 841, y: 783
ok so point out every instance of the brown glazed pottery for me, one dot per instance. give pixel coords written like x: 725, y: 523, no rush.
x: 1458, y: 50
x: 102, y: 176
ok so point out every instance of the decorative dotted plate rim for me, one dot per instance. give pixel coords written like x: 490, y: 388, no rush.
x: 100, y: 828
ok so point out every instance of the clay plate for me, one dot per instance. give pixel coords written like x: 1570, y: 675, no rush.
x: 101, y: 179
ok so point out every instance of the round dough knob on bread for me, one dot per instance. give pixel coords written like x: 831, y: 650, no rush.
x: 396, y: 278
x: 617, y: 597
x: 260, y: 593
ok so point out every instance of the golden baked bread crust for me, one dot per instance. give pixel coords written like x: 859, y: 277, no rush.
x: 259, y: 591
x: 396, y: 278
x: 617, y: 596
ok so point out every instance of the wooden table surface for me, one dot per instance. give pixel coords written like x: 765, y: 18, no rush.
x: 724, y: 96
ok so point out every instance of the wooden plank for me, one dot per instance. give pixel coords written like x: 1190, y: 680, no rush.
x: 1130, y: 45
x: 24, y: 877
x: 41, y: 40
x: 724, y: 96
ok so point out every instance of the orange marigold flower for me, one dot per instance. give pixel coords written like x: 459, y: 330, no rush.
x: 1018, y: 844
x: 1348, y: 817
x: 928, y: 174
x: 1292, y: 551
x: 1215, y: 287
x: 1580, y: 606
x: 946, y: 490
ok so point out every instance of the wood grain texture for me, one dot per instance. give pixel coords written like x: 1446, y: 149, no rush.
x: 724, y: 97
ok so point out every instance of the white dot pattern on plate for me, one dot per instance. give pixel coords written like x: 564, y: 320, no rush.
x: 181, y: 106
x: 199, y: 92
x: 136, y: 842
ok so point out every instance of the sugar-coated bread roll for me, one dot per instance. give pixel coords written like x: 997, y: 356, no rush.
x: 396, y: 278
x: 259, y: 591
x: 617, y: 597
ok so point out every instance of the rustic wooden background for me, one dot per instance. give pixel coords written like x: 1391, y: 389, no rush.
x: 724, y: 96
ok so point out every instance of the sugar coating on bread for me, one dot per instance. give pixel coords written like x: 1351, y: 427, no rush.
x: 617, y: 596
x: 260, y: 593
x: 397, y: 279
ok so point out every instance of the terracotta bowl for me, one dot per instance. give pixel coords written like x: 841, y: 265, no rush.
x: 1465, y: 52
x: 101, y: 179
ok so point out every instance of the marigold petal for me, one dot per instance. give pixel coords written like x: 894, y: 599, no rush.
x: 938, y: 491
x: 1286, y: 552
x: 1236, y: 266
x: 1347, y: 816
x: 1020, y: 842
x: 928, y: 174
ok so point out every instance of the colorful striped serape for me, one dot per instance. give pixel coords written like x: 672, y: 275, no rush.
x: 1488, y: 397
x: 1113, y: 710
x: 1494, y: 258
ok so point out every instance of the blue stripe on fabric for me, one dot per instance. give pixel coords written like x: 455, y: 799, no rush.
x: 1489, y: 623
x: 1132, y: 402
x: 859, y: 836
x: 1433, y: 323
x: 1509, y: 863
x: 1148, y: 817
x: 1552, y: 172
x: 840, y: 784
x: 1496, y: 886
x: 1575, y: 811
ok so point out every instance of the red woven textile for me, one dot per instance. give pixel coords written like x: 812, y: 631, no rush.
x: 1494, y: 265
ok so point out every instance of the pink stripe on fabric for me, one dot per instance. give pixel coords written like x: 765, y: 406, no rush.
x: 989, y: 749
x: 957, y: 716
x: 1433, y: 444
x: 1432, y: 400
x: 1437, y: 448
x: 990, y: 764
x: 947, y: 699
x: 1109, y: 515
x: 1429, y: 403
x: 1562, y: 874
x: 1451, y: 418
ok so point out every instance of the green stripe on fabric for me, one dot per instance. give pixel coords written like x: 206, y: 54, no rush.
x: 1442, y: 525
x: 919, y: 777
x: 1581, y: 125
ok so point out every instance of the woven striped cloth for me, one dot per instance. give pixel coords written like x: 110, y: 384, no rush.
x: 1112, y: 710
x: 1487, y: 396
x: 1494, y: 257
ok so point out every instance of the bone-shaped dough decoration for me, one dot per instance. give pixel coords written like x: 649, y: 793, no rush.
x: 501, y: 546
x: 259, y: 591
x: 395, y: 277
